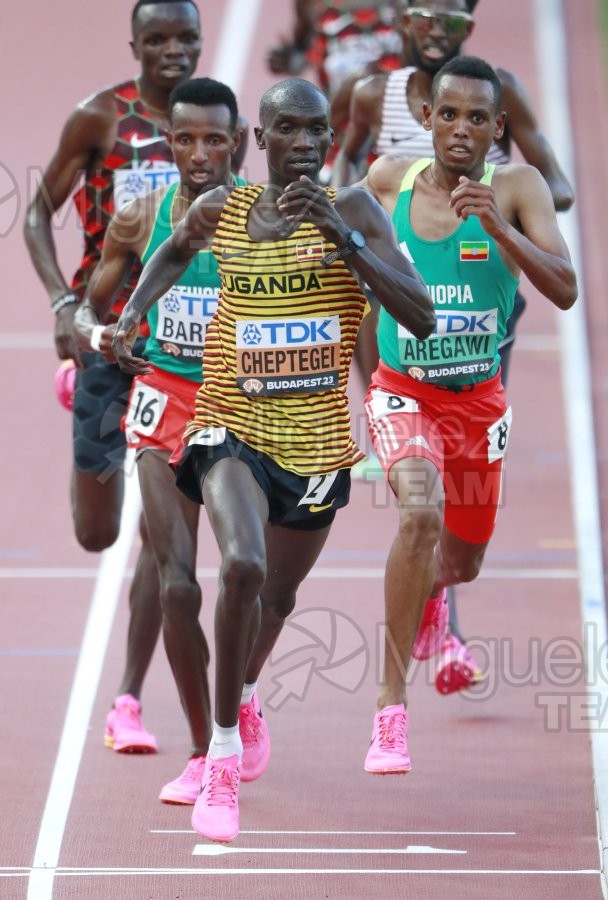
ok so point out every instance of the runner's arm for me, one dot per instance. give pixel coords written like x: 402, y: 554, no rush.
x: 289, y: 57
x: 536, y: 245
x: 82, y: 135
x: 238, y: 157
x: 121, y: 244
x: 533, y: 145
x: 163, y: 269
x: 358, y: 133
x: 380, y: 264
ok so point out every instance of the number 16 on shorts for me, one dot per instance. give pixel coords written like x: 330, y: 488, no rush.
x: 146, y: 408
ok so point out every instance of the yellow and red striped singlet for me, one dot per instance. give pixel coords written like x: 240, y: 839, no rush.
x: 278, y: 349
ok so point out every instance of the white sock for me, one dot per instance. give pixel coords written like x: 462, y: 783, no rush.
x: 225, y: 742
x: 248, y: 692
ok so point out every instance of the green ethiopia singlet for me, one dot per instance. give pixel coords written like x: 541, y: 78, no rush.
x: 179, y: 320
x: 472, y: 291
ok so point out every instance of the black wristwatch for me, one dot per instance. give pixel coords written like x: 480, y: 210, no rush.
x: 354, y: 242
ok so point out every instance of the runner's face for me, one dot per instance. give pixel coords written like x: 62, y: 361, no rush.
x: 167, y: 42
x: 464, y: 122
x: 296, y: 138
x: 202, y: 141
x: 435, y: 31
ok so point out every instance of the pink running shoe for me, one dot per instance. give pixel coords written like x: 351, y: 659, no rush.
x: 65, y: 382
x: 186, y: 788
x: 256, y: 740
x: 388, y: 753
x: 125, y: 730
x: 216, y: 811
x: 457, y: 669
x: 433, y: 627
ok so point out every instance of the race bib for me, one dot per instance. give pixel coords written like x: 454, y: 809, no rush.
x: 383, y: 404
x: 290, y: 356
x: 463, y: 344
x: 140, y: 178
x: 498, y: 436
x: 317, y: 490
x: 146, y: 408
x: 183, y: 316
x: 208, y: 437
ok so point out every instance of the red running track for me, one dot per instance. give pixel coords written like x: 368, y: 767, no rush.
x: 500, y: 800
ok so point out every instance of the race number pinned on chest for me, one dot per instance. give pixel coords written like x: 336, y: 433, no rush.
x: 146, y: 408
x: 288, y: 356
x: 141, y: 178
x: 498, y: 436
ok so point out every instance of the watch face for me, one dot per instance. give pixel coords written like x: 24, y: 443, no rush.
x: 357, y: 240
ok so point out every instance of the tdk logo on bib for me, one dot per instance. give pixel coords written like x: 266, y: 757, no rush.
x: 288, y: 333
x: 480, y: 322
x: 467, y: 322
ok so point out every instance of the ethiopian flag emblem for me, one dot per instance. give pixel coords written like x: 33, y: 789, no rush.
x: 474, y: 251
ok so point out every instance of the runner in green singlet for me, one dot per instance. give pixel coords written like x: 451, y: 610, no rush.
x: 203, y: 137
x: 436, y: 408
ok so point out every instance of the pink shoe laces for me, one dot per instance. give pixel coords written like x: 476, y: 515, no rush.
x: 249, y: 724
x: 391, y: 730
x: 223, y: 786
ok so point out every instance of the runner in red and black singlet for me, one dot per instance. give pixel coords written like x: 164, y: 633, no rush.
x: 116, y: 139
x: 140, y: 160
x: 339, y: 38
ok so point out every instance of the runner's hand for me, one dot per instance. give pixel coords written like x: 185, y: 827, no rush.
x: 65, y: 344
x: 105, y: 343
x: 127, y: 330
x: 305, y: 201
x: 471, y: 198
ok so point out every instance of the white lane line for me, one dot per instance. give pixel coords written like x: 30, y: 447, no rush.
x: 221, y: 849
x: 82, y: 696
x: 206, y: 872
x: 27, y: 340
x: 341, y: 833
x: 553, y: 56
x: 234, y: 45
x: 557, y: 574
x: 238, y: 26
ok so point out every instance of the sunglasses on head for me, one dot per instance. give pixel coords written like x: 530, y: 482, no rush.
x: 455, y: 24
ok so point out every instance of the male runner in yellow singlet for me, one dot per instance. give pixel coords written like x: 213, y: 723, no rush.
x: 269, y: 449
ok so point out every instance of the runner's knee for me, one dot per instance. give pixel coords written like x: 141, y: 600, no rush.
x: 465, y: 569
x: 420, y: 526
x: 96, y: 534
x: 180, y: 598
x: 242, y: 576
x: 279, y: 604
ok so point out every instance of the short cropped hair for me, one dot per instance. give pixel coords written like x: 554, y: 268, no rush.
x: 141, y: 3
x: 470, y: 67
x: 288, y: 91
x: 205, y: 92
